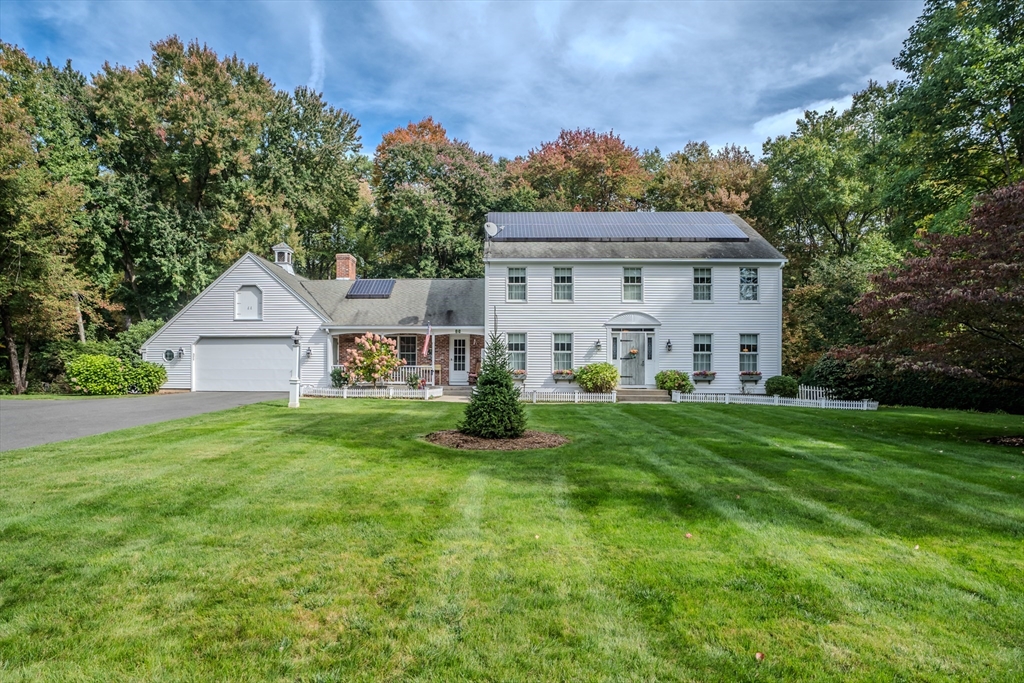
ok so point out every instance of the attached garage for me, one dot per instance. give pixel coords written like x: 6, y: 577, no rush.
x: 244, y: 363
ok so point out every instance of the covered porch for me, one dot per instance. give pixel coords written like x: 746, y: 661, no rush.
x: 444, y: 357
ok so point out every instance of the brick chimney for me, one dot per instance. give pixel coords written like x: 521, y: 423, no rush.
x: 345, y: 266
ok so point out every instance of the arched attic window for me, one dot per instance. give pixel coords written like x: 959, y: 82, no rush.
x: 249, y: 303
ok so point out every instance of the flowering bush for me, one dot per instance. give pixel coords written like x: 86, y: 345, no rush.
x: 373, y: 359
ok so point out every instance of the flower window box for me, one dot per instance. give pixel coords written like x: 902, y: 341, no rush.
x: 703, y: 376
x: 748, y: 376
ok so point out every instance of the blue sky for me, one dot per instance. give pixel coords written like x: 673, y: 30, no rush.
x: 506, y: 76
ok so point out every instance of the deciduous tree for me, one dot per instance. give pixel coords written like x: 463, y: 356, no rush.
x: 584, y: 170
x: 959, y: 306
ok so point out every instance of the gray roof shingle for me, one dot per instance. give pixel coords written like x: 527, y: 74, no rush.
x: 413, y: 302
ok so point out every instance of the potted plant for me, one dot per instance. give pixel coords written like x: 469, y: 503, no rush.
x: 563, y: 375
x: 519, y: 375
x: 703, y: 376
x: 750, y: 376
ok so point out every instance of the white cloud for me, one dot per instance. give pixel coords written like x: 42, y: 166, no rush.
x: 784, y: 122
x: 316, y: 53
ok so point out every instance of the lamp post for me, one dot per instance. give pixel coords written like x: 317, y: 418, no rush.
x: 293, y: 388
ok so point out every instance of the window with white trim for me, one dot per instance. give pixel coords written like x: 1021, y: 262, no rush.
x: 702, y: 284
x: 517, y: 351
x: 517, y: 284
x: 632, y: 284
x: 563, y: 351
x: 702, y: 352
x: 563, y: 284
x: 407, y: 349
x: 748, y: 353
x: 249, y: 303
x: 748, y: 284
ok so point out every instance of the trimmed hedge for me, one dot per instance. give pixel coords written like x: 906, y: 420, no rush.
x: 912, y: 388
x: 782, y: 385
x: 674, y: 380
x: 101, y: 375
x: 597, y: 377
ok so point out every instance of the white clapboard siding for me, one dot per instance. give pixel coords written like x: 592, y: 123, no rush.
x: 749, y: 399
x: 668, y: 297
x: 212, y: 314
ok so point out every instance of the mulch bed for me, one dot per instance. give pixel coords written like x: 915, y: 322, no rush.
x: 528, y: 441
x: 1016, y: 441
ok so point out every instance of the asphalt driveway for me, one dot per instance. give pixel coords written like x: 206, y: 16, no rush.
x: 32, y: 422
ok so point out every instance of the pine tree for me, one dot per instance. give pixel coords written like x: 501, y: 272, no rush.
x: 494, y: 411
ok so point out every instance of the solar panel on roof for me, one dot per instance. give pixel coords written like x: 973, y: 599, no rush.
x: 370, y: 289
x: 667, y: 226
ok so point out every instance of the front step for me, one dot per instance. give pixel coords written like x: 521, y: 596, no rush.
x: 642, y: 396
x: 466, y: 391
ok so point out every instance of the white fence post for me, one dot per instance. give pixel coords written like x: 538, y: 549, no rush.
x: 776, y: 397
x: 534, y: 395
x: 727, y: 399
x: 614, y: 399
x: 344, y: 391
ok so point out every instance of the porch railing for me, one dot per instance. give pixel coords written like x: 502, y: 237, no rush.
x: 402, y: 374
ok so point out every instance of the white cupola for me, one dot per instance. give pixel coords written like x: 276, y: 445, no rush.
x: 283, y: 256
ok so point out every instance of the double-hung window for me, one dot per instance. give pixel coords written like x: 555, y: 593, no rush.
x: 748, y: 284
x: 517, y: 284
x: 407, y: 349
x: 563, y: 284
x: 702, y: 352
x: 632, y: 284
x: 748, y: 353
x: 563, y: 351
x: 702, y: 284
x: 517, y: 351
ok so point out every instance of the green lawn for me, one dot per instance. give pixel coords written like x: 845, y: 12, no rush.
x: 329, y: 543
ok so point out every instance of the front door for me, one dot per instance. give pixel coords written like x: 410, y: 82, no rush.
x: 634, y: 368
x: 458, y: 361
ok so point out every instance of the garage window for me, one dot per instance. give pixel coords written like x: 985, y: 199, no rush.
x: 249, y: 303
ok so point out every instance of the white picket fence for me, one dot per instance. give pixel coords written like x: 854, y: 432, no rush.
x: 762, y: 400
x: 390, y: 391
x: 566, y: 397
x: 813, y: 393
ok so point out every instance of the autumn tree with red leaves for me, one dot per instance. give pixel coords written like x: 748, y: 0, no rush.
x: 959, y: 306
x: 583, y: 170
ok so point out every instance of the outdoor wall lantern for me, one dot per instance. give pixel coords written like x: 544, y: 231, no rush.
x: 668, y: 345
x: 295, y: 337
x: 181, y: 352
x: 309, y: 352
x: 597, y: 345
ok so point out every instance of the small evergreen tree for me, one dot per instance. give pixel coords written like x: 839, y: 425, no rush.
x: 494, y: 411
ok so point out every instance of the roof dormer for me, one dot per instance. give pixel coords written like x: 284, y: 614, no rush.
x: 283, y: 256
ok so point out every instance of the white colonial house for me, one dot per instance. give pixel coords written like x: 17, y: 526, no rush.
x: 643, y: 291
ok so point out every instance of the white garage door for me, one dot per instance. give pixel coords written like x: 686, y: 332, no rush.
x: 244, y: 364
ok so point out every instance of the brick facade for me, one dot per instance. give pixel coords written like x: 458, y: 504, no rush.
x: 345, y: 342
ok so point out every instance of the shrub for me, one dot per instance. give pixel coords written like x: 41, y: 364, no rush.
x: 414, y: 381
x: 911, y: 387
x: 97, y: 375
x: 781, y: 385
x: 598, y: 377
x: 144, y: 378
x: 339, y: 377
x: 494, y: 410
x: 674, y: 380
x: 374, y: 358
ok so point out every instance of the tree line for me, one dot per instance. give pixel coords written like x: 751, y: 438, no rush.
x: 124, y: 194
